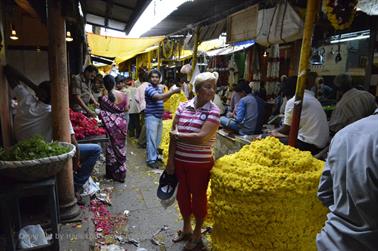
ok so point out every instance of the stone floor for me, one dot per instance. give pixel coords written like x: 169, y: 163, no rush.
x: 138, y: 196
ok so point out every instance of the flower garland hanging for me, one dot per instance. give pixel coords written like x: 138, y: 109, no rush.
x: 168, y: 46
x: 340, y: 13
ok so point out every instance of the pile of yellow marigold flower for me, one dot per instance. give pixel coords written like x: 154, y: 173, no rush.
x: 264, y: 198
x: 174, y: 101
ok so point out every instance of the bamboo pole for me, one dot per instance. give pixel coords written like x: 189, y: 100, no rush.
x: 60, y: 104
x: 311, y: 11
x: 158, y: 56
x: 195, y: 49
x: 149, y: 60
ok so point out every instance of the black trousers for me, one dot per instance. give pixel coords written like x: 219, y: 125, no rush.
x: 134, y: 125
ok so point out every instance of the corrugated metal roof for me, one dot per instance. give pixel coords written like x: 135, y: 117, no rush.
x: 191, y: 13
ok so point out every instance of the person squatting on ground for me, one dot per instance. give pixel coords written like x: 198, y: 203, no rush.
x: 153, y: 116
x: 113, y: 108
x: 190, y: 155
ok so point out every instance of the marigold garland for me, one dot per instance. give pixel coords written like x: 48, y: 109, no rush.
x: 264, y: 198
x: 340, y: 13
x: 170, y: 45
x: 167, y: 125
x: 174, y: 101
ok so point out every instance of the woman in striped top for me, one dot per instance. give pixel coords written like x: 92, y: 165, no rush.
x: 190, y: 155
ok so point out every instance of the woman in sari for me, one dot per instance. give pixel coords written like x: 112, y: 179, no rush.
x: 113, y: 107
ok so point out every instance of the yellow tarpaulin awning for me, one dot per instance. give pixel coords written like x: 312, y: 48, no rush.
x: 120, y: 48
x: 203, y: 47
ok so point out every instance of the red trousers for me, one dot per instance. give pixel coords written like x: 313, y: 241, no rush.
x: 191, y: 193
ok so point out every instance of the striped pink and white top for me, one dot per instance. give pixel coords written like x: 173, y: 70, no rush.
x: 191, y: 120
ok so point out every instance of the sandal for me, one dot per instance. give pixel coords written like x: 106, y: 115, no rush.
x: 181, y: 236
x: 193, y: 245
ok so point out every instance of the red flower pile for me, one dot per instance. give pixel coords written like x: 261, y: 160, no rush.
x: 84, y: 126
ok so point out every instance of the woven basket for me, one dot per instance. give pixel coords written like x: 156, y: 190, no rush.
x: 37, y: 169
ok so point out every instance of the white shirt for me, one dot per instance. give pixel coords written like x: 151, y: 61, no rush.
x: 217, y: 100
x: 313, y: 127
x: 139, y: 96
x: 349, y: 188
x: 33, y: 117
x: 353, y: 105
x: 131, y: 92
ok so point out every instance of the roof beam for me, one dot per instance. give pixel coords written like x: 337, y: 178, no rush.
x: 25, y: 5
x: 138, y: 10
x: 108, y: 12
x: 216, y: 18
x: 121, y: 5
x: 117, y: 20
x: 103, y: 26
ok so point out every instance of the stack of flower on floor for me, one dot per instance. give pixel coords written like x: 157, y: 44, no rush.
x: 170, y: 106
x: 264, y: 198
x: 84, y: 126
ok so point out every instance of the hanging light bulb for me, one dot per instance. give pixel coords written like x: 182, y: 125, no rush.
x: 13, y: 35
x: 265, y: 54
x: 69, y: 37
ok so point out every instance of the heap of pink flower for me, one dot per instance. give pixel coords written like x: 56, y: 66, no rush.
x: 84, y: 126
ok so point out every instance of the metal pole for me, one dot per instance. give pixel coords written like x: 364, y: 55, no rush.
x: 311, y: 11
x: 60, y: 104
x: 195, y: 50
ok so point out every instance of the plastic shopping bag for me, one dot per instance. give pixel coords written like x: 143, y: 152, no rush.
x: 32, y: 236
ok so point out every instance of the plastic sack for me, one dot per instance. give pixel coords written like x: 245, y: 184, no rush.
x: 186, y: 69
x: 280, y: 24
x: 90, y: 187
x: 32, y: 236
x: 169, y: 202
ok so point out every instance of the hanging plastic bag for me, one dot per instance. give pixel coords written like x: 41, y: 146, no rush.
x: 32, y: 236
x: 280, y: 24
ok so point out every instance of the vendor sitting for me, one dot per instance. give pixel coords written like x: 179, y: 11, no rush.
x: 313, y: 132
x: 33, y: 117
x: 353, y: 105
x: 247, y: 120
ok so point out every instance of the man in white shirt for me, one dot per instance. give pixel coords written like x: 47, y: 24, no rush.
x: 141, y: 105
x: 349, y: 189
x: 353, y: 105
x: 33, y: 117
x: 313, y: 134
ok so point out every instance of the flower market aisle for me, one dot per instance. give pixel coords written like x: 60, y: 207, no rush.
x: 138, y: 196
x: 135, y: 213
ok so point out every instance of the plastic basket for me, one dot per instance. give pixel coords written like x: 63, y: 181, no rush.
x: 37, y: 169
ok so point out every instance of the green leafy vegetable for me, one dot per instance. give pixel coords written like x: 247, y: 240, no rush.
x: 33, y: 148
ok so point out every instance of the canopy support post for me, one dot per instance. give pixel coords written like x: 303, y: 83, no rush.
x: 60, y: 104
x: 195, y: 50
x: 311, y: 11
